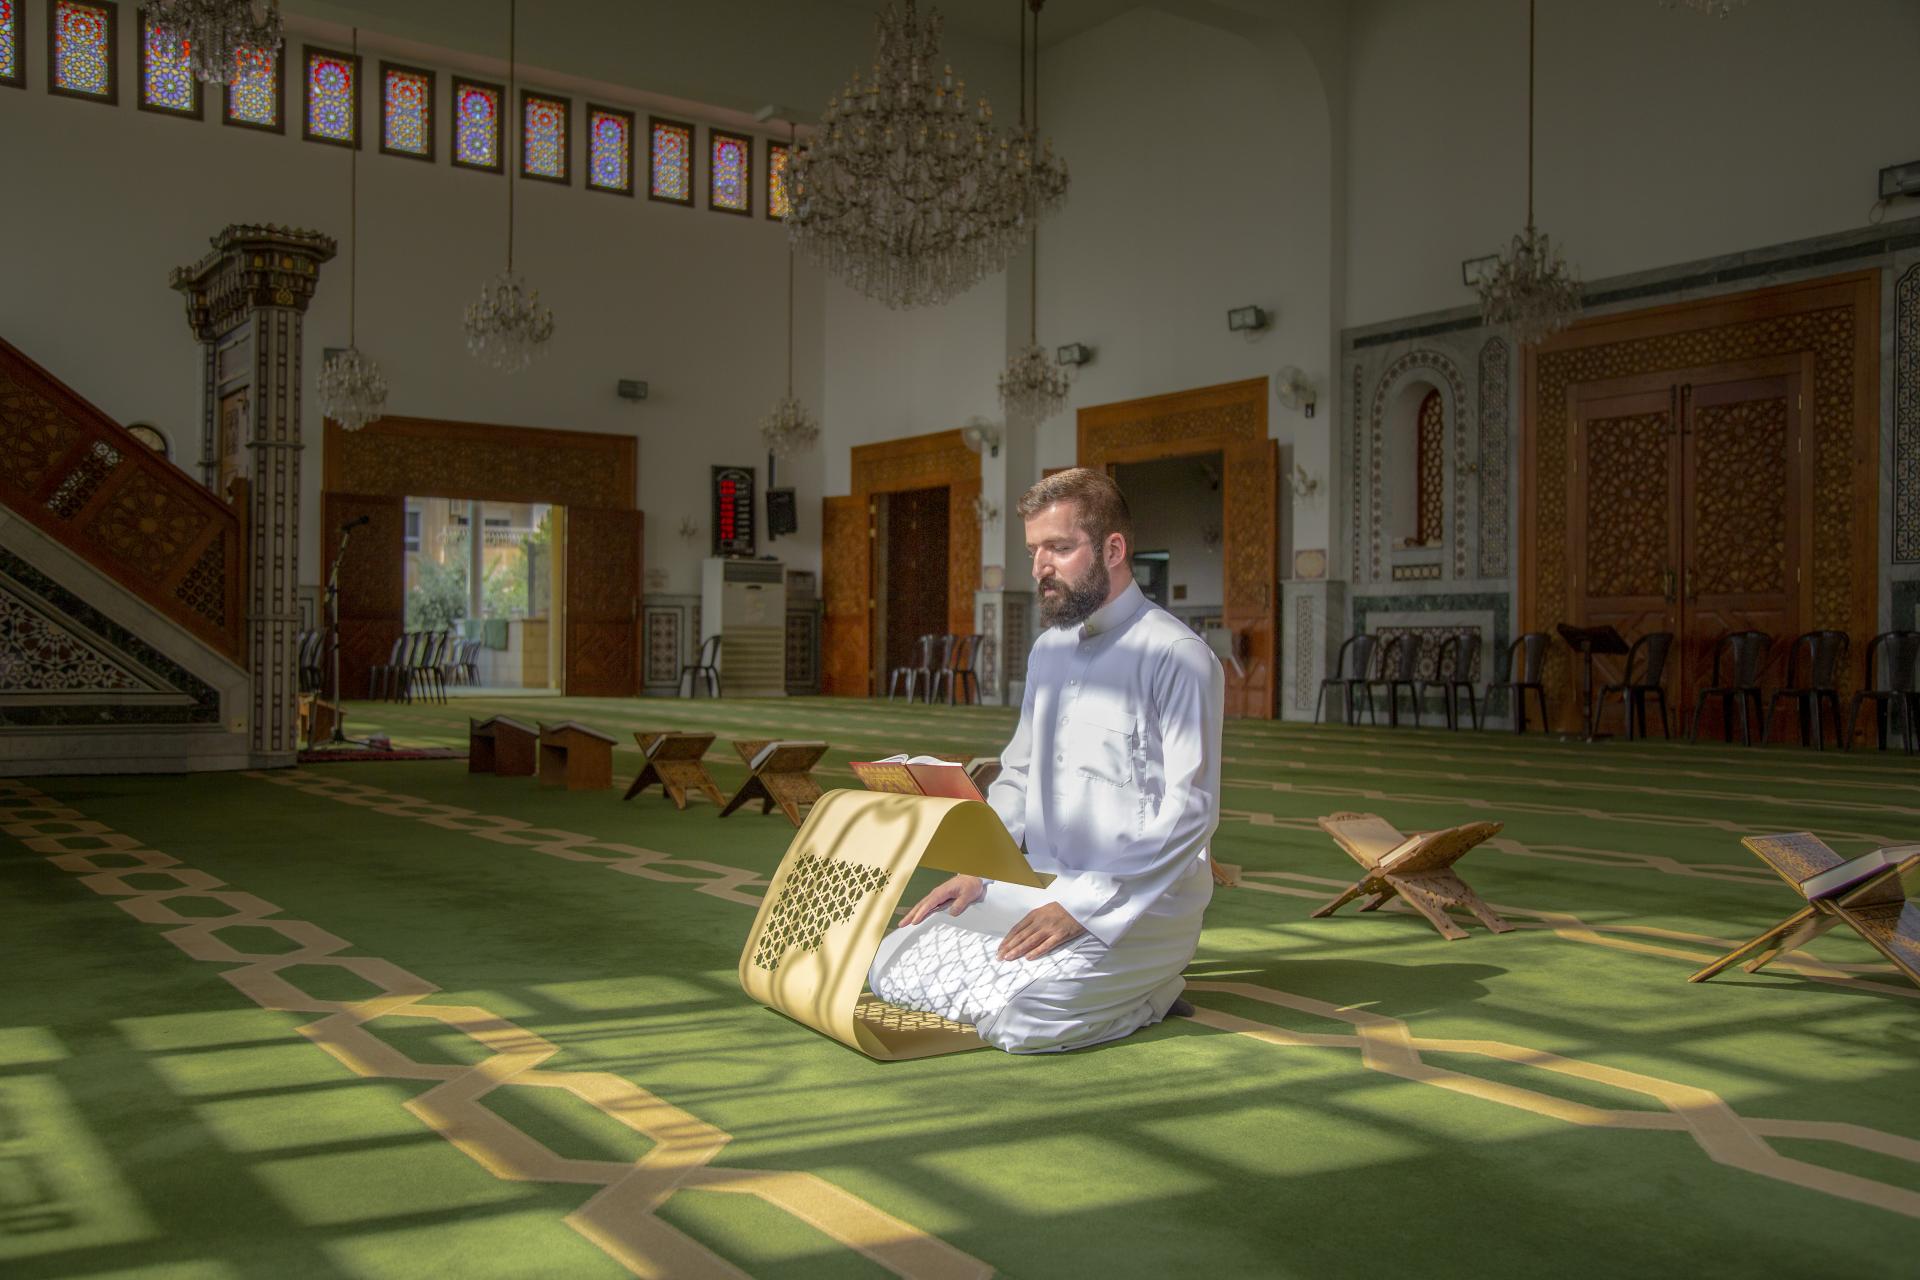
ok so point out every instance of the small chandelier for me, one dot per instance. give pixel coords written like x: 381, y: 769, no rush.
x: 507, y: 327
x: 352, y: 390
x: 1032, y: 387
x: 1530, y: 291
x: 217, y: 32
x: 789, y: 429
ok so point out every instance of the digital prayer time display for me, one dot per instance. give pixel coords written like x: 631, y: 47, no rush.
x: 733, y: 533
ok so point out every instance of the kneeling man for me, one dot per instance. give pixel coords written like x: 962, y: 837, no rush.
x: 1111, y: 782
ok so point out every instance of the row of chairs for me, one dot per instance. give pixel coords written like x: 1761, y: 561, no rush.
x: 1365, y: 664
x: 427, y: 660
x: 311, y: 646
x: 942, y: 662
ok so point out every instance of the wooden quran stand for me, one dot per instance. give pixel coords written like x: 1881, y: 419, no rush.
x: 780, y: 773
x: 1418, y: 868
x: 833, y: 900
x: 575, y: 757
x: 502, y: 746
x: 673, y: 761
x: 1878, y: 908
x: 318, y: 718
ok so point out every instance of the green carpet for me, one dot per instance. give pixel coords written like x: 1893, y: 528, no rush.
x: 566, y: 1081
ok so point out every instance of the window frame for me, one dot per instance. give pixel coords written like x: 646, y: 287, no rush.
x: 18, y: 80
x: 566, y: 142
x: 693, y: 154
x: 307, y: 54
x: 714, y: 138
x: 773, y: 145
x: 633, y: 150
x: 111, y: 98
x: 433, y: 101
x: 199, y: 109
x: 279, y: 124
x: 499, y: 91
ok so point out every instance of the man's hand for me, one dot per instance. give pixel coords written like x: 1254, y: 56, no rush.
x: 956, y: 895
x: 1040, y: 931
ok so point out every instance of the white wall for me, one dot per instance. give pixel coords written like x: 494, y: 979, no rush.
x: 1173, y: 502
x: 108, y: 199
x: 1663, y: 136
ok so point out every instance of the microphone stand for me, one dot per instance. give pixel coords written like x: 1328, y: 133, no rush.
x: 339, y: 737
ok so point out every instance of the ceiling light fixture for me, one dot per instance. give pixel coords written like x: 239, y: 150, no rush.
x: 1032, y: 388
x: 352, y: 390
x: 218, y: 33
x: 788, y: 429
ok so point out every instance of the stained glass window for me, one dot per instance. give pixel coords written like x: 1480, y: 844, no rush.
x: 730, y: 176
x: 406, y: 111
x: 13, y: 55
x: 672, y: 163
x: 82, y: 65
x: 167, y: 84
x: 543, y: 138
x: 778, y: 202
x: 257, y: 91
x: 609, y: 149
x: 477, y: 132
x: 333, y: 97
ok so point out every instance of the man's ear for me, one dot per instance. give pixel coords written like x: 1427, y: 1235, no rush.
x: 1116, y: 550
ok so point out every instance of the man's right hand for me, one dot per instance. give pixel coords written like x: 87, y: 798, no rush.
x: 956, y: 895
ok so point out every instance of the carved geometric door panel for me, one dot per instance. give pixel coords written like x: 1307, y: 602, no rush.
x: 603, y: 573
x: 844, y: 556
x: 1250, y: 548
x: 373, y: 590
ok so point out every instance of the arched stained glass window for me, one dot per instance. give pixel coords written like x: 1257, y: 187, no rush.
x: 543, y: 139
x: 1431, y: 482
x: 778, y: 202
x: 13, y: 53
x: 671, y: 170
x: 83, y: 48
x: 609, y: 149
x: 333, y: 97
x: 167, y: 84
x: 406, y: 111
x: 258, y: 90
x: 478, y: 135
x: 730, y: 175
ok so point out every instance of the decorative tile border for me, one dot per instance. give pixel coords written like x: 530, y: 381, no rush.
x: 1493, y: 458
x: 1906, y: 418
x: 1499, y: 604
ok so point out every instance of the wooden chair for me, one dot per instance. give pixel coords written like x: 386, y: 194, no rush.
x: 673, y: 761
x: 1418, y: 868
x: 1817, y: 686
x: 1351, y: 667
x: 1746, y: 654
x: 1651, y: 652
x: 1898, y: 652
x: 1524, y: 676
x: 503, y: 746
x: 1400, y: 669
x: 1453, y: 670
x: 778, y: 773
x: 575, y: 757
x: 706, y: 666
x: 1882, y: 907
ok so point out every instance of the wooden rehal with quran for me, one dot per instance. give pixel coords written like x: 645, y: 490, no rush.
x: 1418, y: 868
x: 673, y: 761
x: 780, y: 773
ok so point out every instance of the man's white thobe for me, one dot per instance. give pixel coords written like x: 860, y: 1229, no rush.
x: 1112, y: 782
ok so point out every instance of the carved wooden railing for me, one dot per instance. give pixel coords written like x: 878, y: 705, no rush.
x: 107, y: 497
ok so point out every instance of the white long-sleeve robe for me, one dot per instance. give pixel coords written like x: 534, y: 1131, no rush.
x: 1112, y: 782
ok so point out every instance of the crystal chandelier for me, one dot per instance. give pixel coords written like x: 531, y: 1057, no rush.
x: 789, y: 429
x: 1531, y: 291
x: 508, y: 326
x: 216, y: 32
x: 352, y: 390
x: 1032, y: 387
x: 905, y: 191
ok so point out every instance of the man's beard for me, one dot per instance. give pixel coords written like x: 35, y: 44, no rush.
x: 1072, y: 603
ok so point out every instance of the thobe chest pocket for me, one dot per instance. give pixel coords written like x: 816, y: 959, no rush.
x: 1102, y: 743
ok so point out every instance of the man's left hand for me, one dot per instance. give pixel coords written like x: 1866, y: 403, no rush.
x: 1040, y: 931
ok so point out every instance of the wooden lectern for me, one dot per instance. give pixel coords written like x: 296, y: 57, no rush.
x: 317, y: 719
x: 503, y: 746
x: 673, y: 761
x: 779, y: 773
x: 575, y: 757
x: 1418, y: 868
x: 833, y: 900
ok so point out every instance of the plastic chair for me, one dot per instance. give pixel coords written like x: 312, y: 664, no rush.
x: 1651, y: 651
x: 1400, y: 669
x: 957, y: 674
x: 1818, y: 685
x: 1747, y: 653
x: 707, y: 664
x: 1350, y: 667
x: 1453, y: 674
x: 1531, y: 649
x: 384, y: 679
x: 1900, y: 651
x: 910, y: 673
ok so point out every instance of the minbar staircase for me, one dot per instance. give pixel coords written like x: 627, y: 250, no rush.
x: 121, y: 595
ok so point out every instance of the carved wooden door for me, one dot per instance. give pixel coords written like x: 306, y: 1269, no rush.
x: 844, y: 625
x: 373, y: 588
x: 603, y: 570
x: 1251, y: 550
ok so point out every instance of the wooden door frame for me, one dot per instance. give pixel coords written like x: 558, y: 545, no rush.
x: 1835, y: 321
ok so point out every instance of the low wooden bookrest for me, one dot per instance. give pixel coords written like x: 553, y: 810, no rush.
x: 502, y: 746
x: 1418, y: 868
x: 317, y: 718
x: 780, y: 773
x: 1883, y: 907
x: 832, y: 901
x: 575, y: 757
x: 673, y: 761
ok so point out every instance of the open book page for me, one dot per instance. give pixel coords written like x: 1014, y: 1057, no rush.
x: 1848, y: 874
x: 917, y: 776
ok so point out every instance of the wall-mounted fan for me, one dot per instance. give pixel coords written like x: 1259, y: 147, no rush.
x: 1292, y: 389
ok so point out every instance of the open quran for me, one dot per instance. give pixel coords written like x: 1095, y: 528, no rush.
x: 929, y: 776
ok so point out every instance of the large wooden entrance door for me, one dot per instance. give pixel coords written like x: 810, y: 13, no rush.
x: 1689, y: 512
x: 603, y: 603
x: 372, y: 581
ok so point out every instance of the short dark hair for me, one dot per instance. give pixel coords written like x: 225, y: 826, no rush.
x: 1099, y: 507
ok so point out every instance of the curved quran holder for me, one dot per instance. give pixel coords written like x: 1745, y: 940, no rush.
x: 832, y: 901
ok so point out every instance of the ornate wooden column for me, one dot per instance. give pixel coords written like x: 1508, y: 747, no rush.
x: 245, y: 302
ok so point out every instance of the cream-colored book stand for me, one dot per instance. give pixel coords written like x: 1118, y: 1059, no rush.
x: 778, y: 773
x: 673, y: 761
x: 832, y: 901
x: 1418, y: 868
